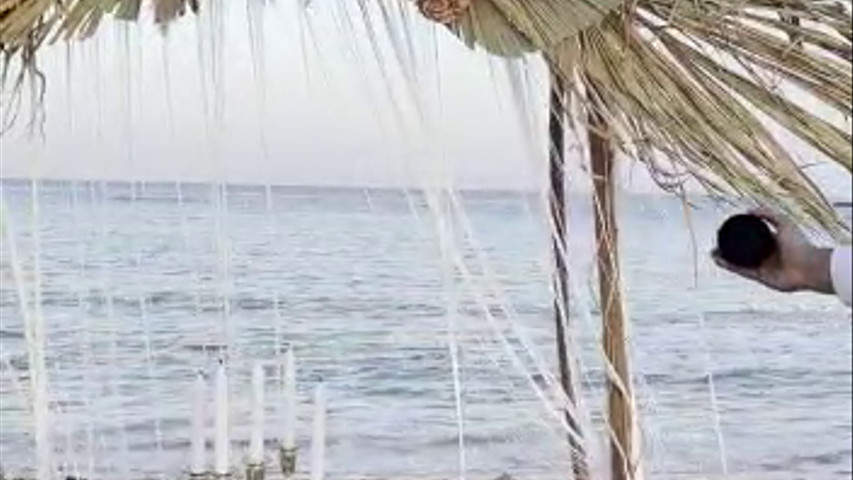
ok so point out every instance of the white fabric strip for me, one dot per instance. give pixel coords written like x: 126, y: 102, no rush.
x: 842, y: 274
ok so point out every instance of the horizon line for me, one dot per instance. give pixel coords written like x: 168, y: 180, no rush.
x: 837, y: 203
x: 282, y: 185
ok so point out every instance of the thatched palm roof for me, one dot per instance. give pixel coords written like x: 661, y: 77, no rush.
x: 692, y: 88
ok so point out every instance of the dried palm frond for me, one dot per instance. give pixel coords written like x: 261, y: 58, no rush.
x: 513, y: 27
x: 28, y: 24
x: 706, y: 86
x: 703, y: 87
x: 689, y: 82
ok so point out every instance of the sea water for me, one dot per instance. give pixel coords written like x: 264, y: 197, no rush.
x: 140, y: 292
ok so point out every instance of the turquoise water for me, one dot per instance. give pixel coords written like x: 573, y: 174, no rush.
x: 133, y: 282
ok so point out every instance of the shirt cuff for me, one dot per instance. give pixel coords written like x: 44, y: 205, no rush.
x: 841, y: 269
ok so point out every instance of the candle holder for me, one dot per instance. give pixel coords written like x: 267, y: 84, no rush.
x: 255, y: 471
x: 287, y: 460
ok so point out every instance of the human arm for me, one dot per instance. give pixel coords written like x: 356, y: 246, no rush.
x: 798, y: 264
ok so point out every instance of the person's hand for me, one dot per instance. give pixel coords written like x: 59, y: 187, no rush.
x: 796, y: 265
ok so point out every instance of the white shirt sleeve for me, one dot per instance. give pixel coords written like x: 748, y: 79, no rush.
x: 842, y: 274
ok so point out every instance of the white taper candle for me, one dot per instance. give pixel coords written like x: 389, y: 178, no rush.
x: 318, y: 439
x: 256, y: 442
x: 198, y: 439
x: 290, y: 400
x: 222, y: 441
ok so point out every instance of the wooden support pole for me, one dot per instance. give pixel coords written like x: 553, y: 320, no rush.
x: 557, y: 206
x: 620, y: 409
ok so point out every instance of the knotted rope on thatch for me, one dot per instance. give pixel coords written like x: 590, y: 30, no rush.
x: 443, y: 11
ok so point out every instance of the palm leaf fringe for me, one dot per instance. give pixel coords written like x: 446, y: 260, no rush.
x: 710, y: 87
x: 692, y: 88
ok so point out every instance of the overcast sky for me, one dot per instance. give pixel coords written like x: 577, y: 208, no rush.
x: 309, y: 106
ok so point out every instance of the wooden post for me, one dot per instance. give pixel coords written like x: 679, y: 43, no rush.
x: 620, y: 411
x: 557, y: 206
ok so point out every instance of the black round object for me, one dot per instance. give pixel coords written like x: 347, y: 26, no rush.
x: 745, y: 241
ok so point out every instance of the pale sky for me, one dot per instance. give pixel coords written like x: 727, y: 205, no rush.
x: 130, y: 103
